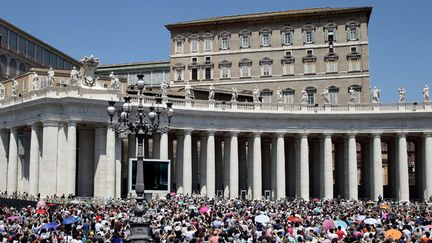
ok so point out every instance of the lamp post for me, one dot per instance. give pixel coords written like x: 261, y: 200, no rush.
x: 156, y: 121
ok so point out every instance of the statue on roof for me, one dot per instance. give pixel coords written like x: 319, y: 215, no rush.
x: 164, y: 89
x: 15, y: 85
x: 74, y: 75
x: 352, y: 95
x: 402, y: 95
x: 426, y: 97
x: 234, y: 94
x: 188, y: 91
x: 35, y: 81
x: 51, y: 75
x: 256, y: 94
x: 326, y: 95
x: 89, y: 68
x: 211, y: 92
x: 279, y: 94
x: 375, y: 95
x: 115, y: 82
x: 304, y: 96
x: 2, y: 91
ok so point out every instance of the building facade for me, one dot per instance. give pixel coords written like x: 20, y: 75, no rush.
x: 20, y: 51
x: 55, y: 137
x: 313, y: 49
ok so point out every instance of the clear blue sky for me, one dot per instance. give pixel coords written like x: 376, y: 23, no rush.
x: 400, y: 31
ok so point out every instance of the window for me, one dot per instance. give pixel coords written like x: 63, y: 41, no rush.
x: 179, y: 47
x: 287, y: 38
x: 309, y: 36
x: 245, y: 71
x: 265, y: 40
x: 31, y: 50
x: 353, y: 49
x: 207, y: 45
x: 288, y: 69
x: 13, y: 40
x: 224, y: 67
x: 352, y: 34
x: 3, y: 35
x: 194, y: 45
x: 310, y: 95
x: 194, y: 60
x: 266, y: 70
x: 194, y: 74
x: 22, y: 45
x: 288, y: 53
x: 244, y: 41
x: 333, y: 94
x: 207, y: 73
x: 288, y: 96
x: 179, y: 74
x: 309, y: 68
x: 309, y: 52
x: 330, y: 32
x: 266, y: 96
x: 352, y: 29
x: 225, y: 72
x: 331, y: 66
x: 354, y: 65
x: 12, y: 68
x: 224, y: 43
x: 21, y: 69
x: 357, y: 93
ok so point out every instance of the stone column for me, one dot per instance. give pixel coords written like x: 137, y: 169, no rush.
x: 179, y: 162
x: 326, y: 167
x: 302, y: 170
x: 234, y: 166
x: 218, y: 164
x: 280, y: 166
x: 250, y: 153
x: 110, y: 163
x: 34, y: 159
x: 118, y: 166
x: 377, y: 171
x: 187, y: 163
x: 71, y: 158
x: 226, y: 165
x: 203, y: 164
x: 12, y: 169
x: 48, y: 165
x: 100, y: 165
x: 427, y: 179
x: 62, y: 158
x: 210, y: 165
x: 163, y: 151
x: 351, y: 184
x: 402, y: 180
x: 257, y: 167
x: 156, y: 146
x: 4, y: 146
x: 132, y: 147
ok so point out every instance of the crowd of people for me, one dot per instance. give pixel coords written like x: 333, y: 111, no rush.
x: 196, y: 219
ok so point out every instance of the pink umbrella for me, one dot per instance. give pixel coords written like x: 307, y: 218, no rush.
x: 428, y: 226
x: 14, y: 217
x: 203, y: 209
x: 41, y: 204
x: 328, y: 224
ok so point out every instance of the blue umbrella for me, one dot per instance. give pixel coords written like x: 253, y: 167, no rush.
x: 342, y: 224
x: 51, y: 225
x: 70, y: 220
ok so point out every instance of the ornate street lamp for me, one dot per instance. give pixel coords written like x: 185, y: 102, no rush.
x: 156, y: 121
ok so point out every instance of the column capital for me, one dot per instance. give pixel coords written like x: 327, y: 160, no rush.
x: 74, y: 123
x: 280, y: 134
x: 375, y: 134
x: 351, y: 135
x: 256, y: 134
x: 302, y: 135
x: 327, y: 134
x: 50, y: 123
x: 35, y: 124
x: 401, y: 134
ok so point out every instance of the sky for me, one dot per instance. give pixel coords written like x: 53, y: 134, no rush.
x: 125, y: 31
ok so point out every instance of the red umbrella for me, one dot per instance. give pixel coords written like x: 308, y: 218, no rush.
x: 41, y: 211
x: 328, y: 224
x: 294, y: 219
x: 51, y: 205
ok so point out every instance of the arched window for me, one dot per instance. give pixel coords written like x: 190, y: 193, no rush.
x: 311, y: 91
x: 21, y: 69
x: 12, y: 68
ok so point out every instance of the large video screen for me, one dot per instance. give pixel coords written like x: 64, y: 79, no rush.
x: 156, y: 175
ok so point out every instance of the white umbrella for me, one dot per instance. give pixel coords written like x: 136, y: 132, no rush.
x: 360, y: 218
x: 262, y: 219
x: 370, y: 221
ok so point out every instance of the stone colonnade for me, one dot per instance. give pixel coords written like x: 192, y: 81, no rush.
x: 53, y: 157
